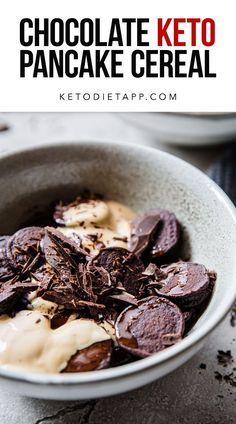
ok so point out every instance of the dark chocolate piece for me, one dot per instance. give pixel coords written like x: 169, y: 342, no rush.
x: 23, y: 249
x: 70, y: 300
x: 224, y: 358
x: 125, y: 297
x: 143, y: 229
x: 152, y: 326
x: 167, y: 235
x: 186, y: 283
x: 94, y: 357
x: 12, y: 291
x: 121, y: 356
x: 4, y: 127
x: 46, y: 277
x: 125, y: 269
x: 102, y: 287
x: 61, y: 251
x: 233, y: 316
x: 59, y: 318
x: 62, y: 207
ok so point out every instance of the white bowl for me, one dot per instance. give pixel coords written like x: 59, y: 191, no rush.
x: 186, y: 129
x: 142, y: 178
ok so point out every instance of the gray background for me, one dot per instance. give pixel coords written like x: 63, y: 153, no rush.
x: 188, y: 395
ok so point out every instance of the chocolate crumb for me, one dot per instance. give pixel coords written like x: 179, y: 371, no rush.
x: 230, y: 379
x: 224, y: 358
x: 202, y: 366
x: 218, y: 376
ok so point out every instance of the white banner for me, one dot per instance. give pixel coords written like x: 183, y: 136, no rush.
x: 176, y: 56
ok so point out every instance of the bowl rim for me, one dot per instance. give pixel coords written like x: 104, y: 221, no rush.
x: 159, y: 358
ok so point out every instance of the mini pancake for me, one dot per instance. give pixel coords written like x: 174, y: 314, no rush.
x: 149, y: 328
x: 186, y: 283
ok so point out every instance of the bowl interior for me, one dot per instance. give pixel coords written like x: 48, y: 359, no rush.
x: 142, y: 178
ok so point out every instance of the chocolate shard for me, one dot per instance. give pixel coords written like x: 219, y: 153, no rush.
x: 125, y: 297
x: 61, y: 251
x: 150, y: 327
x: 23, y: 249
x: 6, y: 272
x: 12, y: 291
x: 94, y: 357
x: 167, y: 234
x: 186, y: 283
x: 46, y: 277
x: 124, y: 268
x: 143, y: 229
x: 61, y: 207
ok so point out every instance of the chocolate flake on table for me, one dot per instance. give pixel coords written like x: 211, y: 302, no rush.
x: 224, y: 358
x: 186, y: 283
x: 94, y: 357
x: 23, y: 249
x: 150, y: 327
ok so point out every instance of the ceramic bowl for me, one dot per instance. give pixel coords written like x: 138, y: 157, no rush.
x: 142, y: 178
x: 186, y: 129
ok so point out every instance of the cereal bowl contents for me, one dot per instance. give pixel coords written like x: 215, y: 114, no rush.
x: 102, y: 287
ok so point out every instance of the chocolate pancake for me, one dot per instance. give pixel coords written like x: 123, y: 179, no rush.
x: 149, y: 328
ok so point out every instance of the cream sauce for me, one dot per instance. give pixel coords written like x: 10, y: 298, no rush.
x: 27, y: 341
x: 98, y: 224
